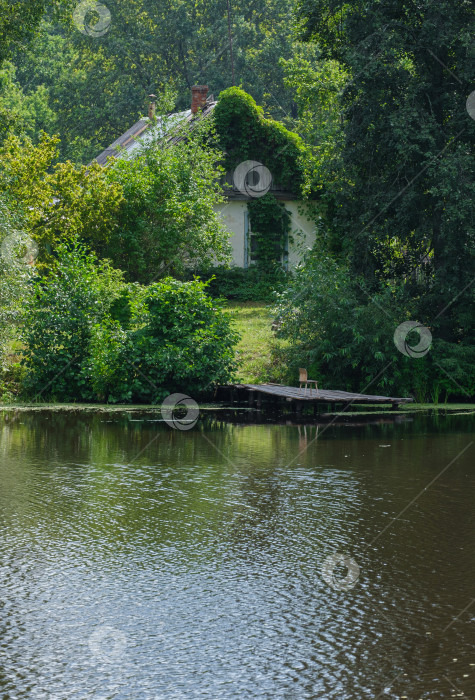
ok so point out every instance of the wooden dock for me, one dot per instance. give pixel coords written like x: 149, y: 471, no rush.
x: 277, y: 393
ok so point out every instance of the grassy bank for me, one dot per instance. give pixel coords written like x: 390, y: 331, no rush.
x: 253, y: 321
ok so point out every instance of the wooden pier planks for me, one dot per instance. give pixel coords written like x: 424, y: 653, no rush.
x: 322, y: 395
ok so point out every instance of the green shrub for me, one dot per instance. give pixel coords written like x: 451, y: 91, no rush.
x: 89, y: 337
x: 167, y: 222
x: 60, y: 318
x: 11, y: 376
x: 345, y: 338
x: 180, y: 341
x: 240, y: 284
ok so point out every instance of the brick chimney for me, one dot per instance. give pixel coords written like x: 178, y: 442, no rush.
x: 152, y: 107
x: 198, y: 97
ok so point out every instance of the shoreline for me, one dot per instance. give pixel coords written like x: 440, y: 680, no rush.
x: 375, y: 409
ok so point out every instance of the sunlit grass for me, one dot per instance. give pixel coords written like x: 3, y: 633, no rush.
x: 253, y: 321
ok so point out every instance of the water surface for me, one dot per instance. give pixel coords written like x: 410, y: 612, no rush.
x: 138, y: 561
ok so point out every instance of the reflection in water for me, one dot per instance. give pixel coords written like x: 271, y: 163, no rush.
x: 138, y: 561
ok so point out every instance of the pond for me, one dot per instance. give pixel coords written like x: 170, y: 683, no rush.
x: 236, y: 559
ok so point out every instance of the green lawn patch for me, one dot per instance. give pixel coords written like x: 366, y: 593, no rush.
x: 253, y: 321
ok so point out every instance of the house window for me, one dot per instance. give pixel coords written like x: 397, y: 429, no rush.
x: 251, y: 246
x: 250, y: 243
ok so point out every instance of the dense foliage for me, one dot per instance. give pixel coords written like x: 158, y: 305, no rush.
x: 345, y: 337
x: 377, y: 93
x: 245, y: 134
x: 57, y: 200
x: 167, y: 221
x: 244, y: 284
x: 96, y: 87
x: 90, y: 337
x: 15, y: 274
x: 178, y: 339
x: 20, y: 20
x: 61, y: 315
x: 271, y: 225
x: 406, y: 179
x: 397, y: 187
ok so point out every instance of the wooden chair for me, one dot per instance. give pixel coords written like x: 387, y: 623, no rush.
x: 303, y: 379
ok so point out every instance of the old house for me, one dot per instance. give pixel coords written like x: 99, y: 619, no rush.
x: 250, y: 180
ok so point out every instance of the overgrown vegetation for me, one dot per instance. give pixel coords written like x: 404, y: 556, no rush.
x: 344, y: 335
x: 244, y: 284
x: 245, y: 134
x: 90, y: 337
x: 397, y: 236
x: 167, y: 221
x: 57, y: 201
x: 90, y: 89
x: 377, y: 94
x: 15, y: 277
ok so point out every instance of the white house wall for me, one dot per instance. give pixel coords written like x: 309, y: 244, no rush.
x: 234, y: 215
x: 302, y: 231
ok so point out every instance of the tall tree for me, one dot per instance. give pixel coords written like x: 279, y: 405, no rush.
x: 407, y: 161
x: 98, y: 85
x: 20, y: 20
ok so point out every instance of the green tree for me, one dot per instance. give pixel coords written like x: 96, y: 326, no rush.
x: 20, y: 20
x: 89, y: 336
x: 167, y: 223
x: 98, y: 86
x: 15, y: 274
x: 345, y: 337
x: 317, y: 85
x: 61, y: 315
x: 58, y: 201
x: 30, y: 113
x: 405, y: 194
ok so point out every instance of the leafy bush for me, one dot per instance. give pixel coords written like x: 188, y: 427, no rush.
x: 239, y: 284
x: 60, y: 319
x: 345, y: 338
x: 91, y: 337
x: 180, y: 340
x: 167, y: 222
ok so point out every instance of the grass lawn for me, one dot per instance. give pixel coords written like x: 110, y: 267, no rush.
x: 253, y: 322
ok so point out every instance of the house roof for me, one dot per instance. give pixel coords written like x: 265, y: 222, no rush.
x: 174, y: 128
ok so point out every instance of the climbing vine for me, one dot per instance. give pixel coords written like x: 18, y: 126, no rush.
x: 245, y: 134
x: 270, y: 226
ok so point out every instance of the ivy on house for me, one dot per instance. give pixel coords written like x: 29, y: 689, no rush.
x: 245, y: 134
x: 270, y: 226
